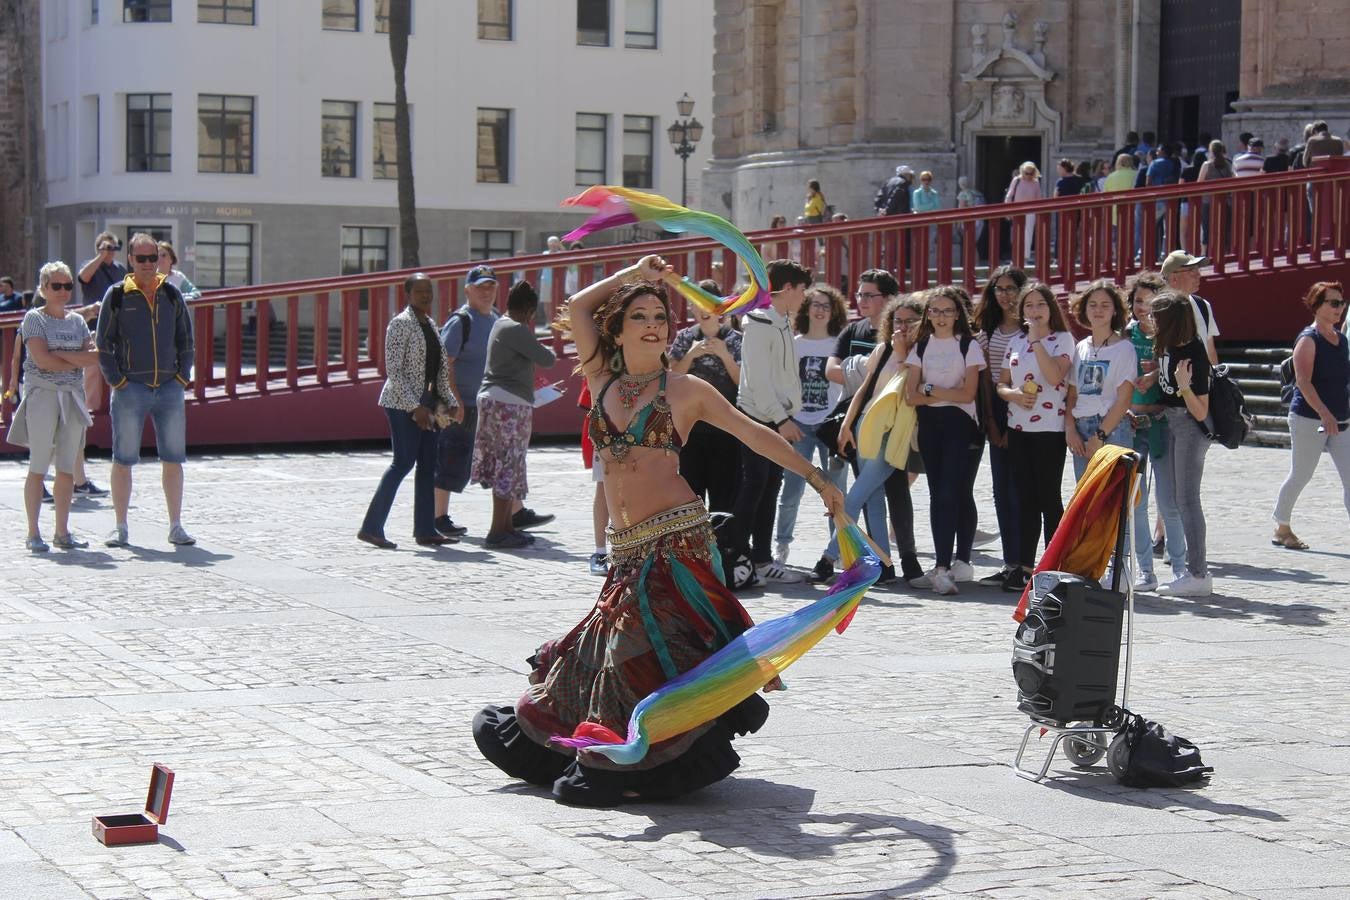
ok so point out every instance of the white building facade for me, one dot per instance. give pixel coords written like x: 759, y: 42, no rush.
x: 257, y: 135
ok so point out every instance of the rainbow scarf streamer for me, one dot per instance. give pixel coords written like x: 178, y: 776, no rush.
x: 616, y: 206
x: 740, y: 668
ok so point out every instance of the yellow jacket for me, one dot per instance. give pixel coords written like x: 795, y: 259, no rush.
x: 888, y: 413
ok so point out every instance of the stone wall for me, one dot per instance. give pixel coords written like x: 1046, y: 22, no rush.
x: 22, y: 228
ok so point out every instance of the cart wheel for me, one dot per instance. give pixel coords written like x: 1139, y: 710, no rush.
x: 1084, y: 751
x: 1118, y: 756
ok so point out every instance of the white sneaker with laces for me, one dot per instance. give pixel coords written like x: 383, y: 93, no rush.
x: 944, y: 584
x: 775, y: 573
x: 1188, y: 585
x: 1146, y: 581
x: 780, y: 553
x: 962, y: 570
x: 923, y: 581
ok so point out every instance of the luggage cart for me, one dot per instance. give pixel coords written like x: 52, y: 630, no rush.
x: 1085, y: 743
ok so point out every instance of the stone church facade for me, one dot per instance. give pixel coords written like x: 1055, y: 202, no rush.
x: 846, y: 90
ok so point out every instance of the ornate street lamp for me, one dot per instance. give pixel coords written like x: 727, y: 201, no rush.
x: 684, y: 134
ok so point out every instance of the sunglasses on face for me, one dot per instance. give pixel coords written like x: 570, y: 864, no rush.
x: 61, y: 285
x: 1336, y: 304
x: 145, y: 257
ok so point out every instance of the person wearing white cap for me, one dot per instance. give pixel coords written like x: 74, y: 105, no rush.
x: 1182, y: 273
x: 892, y: 198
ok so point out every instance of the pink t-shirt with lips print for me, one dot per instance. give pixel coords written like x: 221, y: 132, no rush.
x: 1024, y: 368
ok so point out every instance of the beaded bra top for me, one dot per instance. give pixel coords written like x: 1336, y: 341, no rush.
x: 651, y: 426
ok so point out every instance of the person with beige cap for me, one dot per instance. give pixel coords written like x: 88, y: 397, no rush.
x: 1182, y: 273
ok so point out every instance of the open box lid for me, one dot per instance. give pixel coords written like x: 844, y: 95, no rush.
x: 161, y: 788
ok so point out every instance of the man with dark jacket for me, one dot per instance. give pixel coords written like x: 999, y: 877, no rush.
x: 892, y: 198
x: 145, y: 347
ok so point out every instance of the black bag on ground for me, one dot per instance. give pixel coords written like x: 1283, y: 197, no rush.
x: 1156, y: 758
x: 1228, y: 422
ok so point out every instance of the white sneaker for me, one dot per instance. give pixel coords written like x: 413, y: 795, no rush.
x: 780, y: 553
x: 962, y: 570
x: 1146, y: 581
x: 775, y: 573
x: 944, y: 584
x: 923, y: 581
x: 1188, y: 586
x: 984, y: 538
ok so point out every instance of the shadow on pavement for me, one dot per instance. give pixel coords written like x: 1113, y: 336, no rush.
x: 1225, y: 606
x: 1091, y: 784
x: 193, y: 557
x: 83, y: 559
x: 790, y: 830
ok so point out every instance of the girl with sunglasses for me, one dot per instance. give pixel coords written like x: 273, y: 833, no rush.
x: 1319, y: 414
x: 944, y: 376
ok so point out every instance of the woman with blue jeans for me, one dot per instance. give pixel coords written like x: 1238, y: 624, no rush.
x: 417, y: 382
x: 943, y: 379
x: 1184, y: 376
x: 899, y: 322
x: 1101, y: 376
x: 818, y: 322
x: 1150, y: 441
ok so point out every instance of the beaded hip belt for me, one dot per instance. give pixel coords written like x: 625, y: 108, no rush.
x: 636, y: 541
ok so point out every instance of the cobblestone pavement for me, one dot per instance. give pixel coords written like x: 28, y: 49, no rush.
x: 313, y: 696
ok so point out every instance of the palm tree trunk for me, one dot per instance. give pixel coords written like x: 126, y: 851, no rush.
x: 400, y: 21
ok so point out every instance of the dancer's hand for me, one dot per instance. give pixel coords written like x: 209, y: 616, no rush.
x: 653, y: 268
x: 833, y: 498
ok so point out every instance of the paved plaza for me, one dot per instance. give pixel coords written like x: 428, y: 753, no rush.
x: 314, y: 694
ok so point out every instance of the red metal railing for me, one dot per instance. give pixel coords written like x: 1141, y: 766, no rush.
x: 1297, y: 220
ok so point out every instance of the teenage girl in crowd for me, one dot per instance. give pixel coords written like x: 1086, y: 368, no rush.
x: 1101, y: 380
x: 1032, y: 382
x: 1150, y: 439
x: 1319, y: 414
x: 895, y: 336
x: 817, y: 325
x: 997, y: 321
x: 710, y: 350
x: 1184, y: 375
x: 944, y: 374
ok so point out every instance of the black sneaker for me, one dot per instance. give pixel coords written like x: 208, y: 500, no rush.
x: 887, y: 575
x: 89, y: 489
x: 446, y: 526
x: 1017, y: 579
x: 47, y: 495
x: 528, y: 518
x: 824, y: 571
x: 1159, y: 545
x: 909, y: 567
x: 997, y: 578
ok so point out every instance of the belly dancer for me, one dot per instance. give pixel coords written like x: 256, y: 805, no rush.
x: 664, y: 607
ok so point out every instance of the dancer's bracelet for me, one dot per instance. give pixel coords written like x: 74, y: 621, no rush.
x: 817, y: 479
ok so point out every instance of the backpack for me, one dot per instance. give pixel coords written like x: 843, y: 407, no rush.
x: 890, y: 197
x: 1146, y: 755
x: 1287, y: 380
x: 465, y: 328
x: 1228, y: 422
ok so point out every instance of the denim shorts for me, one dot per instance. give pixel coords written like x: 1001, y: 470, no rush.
x: 165, y: 406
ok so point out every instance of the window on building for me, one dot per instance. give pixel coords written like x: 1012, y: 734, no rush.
x: 55, y: 16
x: 224, y: 134
x: 93, y: 20
x: 224, y: 254
x: 364, y: 249
x: 382, y: 16
x: 342, y: 15
x: 89, y: 134
x: 225, y: 12
x: 638, y: 143
x: 592, y: 139
x: 494, y: 20
x: 639, y: 24
x: 58, y: 141
x: 338, y: 134
x: 494, y: 145
x: 593, y: 23
x: 486, y: 243
x: 147, y: 10
x: 149, y: 129
x: 384, y: 146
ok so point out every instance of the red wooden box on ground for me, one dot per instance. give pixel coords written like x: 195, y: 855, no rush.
x: 139, y: 828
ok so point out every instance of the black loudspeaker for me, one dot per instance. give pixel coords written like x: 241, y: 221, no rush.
x: 1066, y: 653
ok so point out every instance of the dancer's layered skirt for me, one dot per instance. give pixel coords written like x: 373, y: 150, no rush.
x: 662, y: 610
